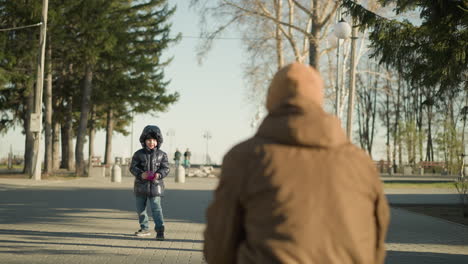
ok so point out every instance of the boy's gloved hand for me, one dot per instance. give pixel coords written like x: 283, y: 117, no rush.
x: 150, y: 175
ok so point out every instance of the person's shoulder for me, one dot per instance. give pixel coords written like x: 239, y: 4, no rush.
x: 142, y: 150
x: 349, y: 151
x: 243, y: 149
x: 355, y: 157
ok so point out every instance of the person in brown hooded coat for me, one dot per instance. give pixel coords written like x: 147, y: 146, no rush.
x: 298, y: 191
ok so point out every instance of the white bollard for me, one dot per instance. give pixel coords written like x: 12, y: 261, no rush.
x: 116, y: 173
x: 180, y: 174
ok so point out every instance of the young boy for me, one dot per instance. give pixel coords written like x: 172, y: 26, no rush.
x: 150, y: 166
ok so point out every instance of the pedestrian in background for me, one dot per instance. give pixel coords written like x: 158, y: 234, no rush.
x: 177, y: 156
x: 187, y: 155
x: 150, y: 166
x: 298, y: 191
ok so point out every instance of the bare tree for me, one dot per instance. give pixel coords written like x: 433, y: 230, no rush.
x: 292, y: 25
x: 274, y: 32
x: 367, y: 110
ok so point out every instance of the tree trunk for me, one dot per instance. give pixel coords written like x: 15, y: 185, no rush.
x: 278, y: 36
x: 48, y: 114
x: 56, y: 128
x: 397, y: 123
x: 420, y: 123
x: 374, y: 113
x: 65, y: 157
x: 29, y: 140
x: 82, y: 127
x: 314, y: 47
x: 67, y: 137
x: 71, y: 153
x: 395, y: 148
x: 92, y: 133
x: 361, y: 123
x: 387, y: 122
x: 67, y: 147
x: 55, y: 145
x: 429, y: 147
x: 92, y: 136
x: 109, y: 132
x: 464, y: 112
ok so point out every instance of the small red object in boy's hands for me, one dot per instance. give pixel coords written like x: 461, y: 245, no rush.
x: 150, y: 176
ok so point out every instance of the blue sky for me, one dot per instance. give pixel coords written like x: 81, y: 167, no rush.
x: 213, y: 98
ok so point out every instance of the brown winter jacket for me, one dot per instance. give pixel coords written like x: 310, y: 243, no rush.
x: 298, y: 191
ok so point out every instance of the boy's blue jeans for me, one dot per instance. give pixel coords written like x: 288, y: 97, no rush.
x: 156, y: 210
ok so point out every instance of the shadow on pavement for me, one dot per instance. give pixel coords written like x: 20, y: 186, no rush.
x: 48, y: 234
x: 416, y: 229
x: 435, y: 198
x: 403, y: 257
x: 55, y: 205
x: 59, y: 204
x: 187, y: 205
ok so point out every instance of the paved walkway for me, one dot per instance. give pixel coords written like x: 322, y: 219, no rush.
x: 92, y: 221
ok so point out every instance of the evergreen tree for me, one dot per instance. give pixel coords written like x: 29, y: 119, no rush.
x: 17, y: 67
x: 106, y: 55
x: 130, y: 76
x: 432, y: 54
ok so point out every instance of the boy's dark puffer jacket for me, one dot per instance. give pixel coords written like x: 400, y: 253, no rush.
x: 149, y: 160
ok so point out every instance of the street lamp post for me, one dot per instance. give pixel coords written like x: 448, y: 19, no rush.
x: 338, y: 93
x: 343, y: 30
x: 207, y: 136
x: 352, y: 84
x: 170, y: 133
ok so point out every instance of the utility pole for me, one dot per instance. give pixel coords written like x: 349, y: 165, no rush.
x: 352, y: 82
x: 36, y: 117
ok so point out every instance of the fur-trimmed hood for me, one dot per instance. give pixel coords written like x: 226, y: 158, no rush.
x: 152, y: 131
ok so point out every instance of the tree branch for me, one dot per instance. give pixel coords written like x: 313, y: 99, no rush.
x: 267, y: 17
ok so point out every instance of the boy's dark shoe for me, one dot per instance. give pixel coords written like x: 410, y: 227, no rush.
x: 160, y: 234
x: 142, y: 233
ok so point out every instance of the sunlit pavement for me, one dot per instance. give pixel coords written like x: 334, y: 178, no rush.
x: 93, y: 221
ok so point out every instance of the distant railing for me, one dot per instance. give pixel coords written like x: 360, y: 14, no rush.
x: 96, y: 161
x: 431, y: 164
x: 421, y: 167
